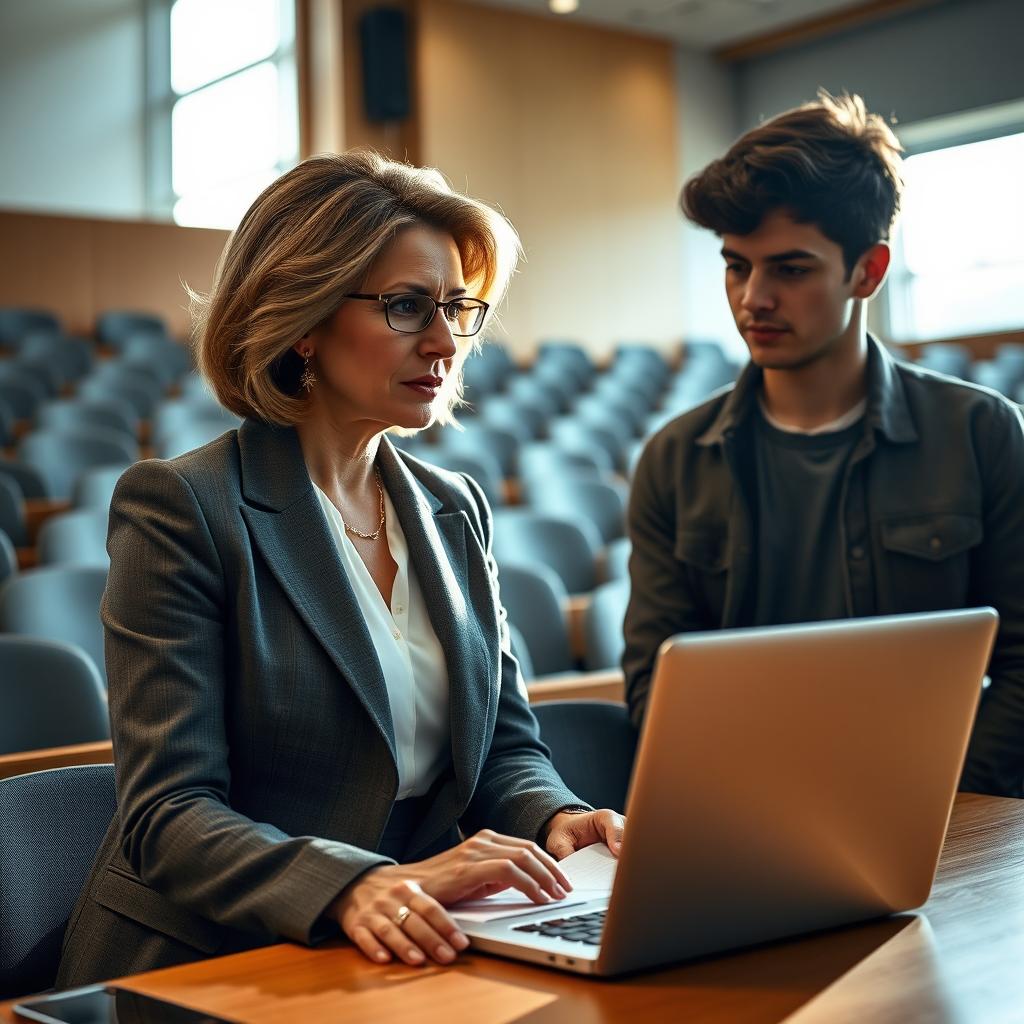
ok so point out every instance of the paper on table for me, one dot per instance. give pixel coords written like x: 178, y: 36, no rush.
x: 591, y: 872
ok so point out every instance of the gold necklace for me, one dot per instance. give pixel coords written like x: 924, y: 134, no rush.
x: 380, y: 525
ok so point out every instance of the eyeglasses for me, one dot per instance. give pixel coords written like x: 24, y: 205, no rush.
x: 411, y: 312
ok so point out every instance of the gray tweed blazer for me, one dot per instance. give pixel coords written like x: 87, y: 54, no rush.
x: 253, y: 743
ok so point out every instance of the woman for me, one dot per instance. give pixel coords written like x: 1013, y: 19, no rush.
x: 309, y: 669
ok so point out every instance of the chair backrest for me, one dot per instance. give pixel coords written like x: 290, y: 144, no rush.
x: 52, y: 695
x: 51, y: 825
x: 74, y: 538
x: 58, y: 602
x: 477, y: 436
x: 21, y: 398
x: 72, y: 413
x: 31, y: 482
x: 192, y: 436
x: 592, y: 746
x: 521, y: 652
x: 173, y: 416
x: 616, y: 559
x: 16, y: 322
x: 12, y: 511
x: 535, y: 600
x: 95, y: 487
x: 603, y: 642
x: 62, y: 455
x: 116, y: 326
x: 527, y: 537
x: 586, y: 436
x: 481, y: 466
x: 8, y: 558
x: 73, y: 356
x: 600, y: 502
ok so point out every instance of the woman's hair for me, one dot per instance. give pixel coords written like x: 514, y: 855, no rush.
x: 830, y: 163
x: 309, y: 239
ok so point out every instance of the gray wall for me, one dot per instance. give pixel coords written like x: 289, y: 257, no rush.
x: 957, y: 55
x: 71, y: 106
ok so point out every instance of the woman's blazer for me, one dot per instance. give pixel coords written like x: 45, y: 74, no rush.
x: 252, y: 733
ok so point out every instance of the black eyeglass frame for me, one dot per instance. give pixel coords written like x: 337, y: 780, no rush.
x: 387, y: 297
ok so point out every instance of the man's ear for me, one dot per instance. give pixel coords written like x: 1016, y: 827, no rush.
x: 871, y: 270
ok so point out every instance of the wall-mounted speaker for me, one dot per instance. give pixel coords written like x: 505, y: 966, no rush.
x: 384, y: 40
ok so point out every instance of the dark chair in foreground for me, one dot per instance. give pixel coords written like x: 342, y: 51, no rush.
x: 592, y: 746
x: 116, y: 326
x: 51, y: 695
x: 16, y: 322
x: 60, y: 602
x: 51, y: 824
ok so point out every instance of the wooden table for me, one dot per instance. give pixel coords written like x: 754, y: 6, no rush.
x: 961, y: 958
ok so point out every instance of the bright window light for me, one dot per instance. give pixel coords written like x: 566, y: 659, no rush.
x: 220, y: 132
x: 233, y: 123
x: 959, y: 265
x: 212, y: 38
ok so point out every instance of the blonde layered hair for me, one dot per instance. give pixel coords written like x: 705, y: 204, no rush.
x: 309, y: 239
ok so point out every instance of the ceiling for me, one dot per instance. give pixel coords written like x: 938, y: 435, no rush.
x: 702, y: 24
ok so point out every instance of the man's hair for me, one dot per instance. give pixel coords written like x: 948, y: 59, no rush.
x: 830, y: 163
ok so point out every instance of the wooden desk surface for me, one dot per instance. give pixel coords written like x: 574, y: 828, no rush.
x: 961, y: 958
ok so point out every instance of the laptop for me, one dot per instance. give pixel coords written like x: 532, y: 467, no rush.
x: 787, y: 779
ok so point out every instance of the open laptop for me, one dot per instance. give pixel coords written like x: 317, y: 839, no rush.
x: 788, y: 779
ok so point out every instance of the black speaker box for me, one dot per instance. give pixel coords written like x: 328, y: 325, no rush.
x: 384, y: 38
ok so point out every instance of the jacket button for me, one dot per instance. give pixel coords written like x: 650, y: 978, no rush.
x: 857, y: 552
x: 935, y: 543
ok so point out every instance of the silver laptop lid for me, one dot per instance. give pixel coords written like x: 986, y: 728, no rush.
x: 792, y: 778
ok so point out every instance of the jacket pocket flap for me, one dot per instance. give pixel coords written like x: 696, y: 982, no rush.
x: 933, y: 538
x: 704, y: 549
x: 130, y: 897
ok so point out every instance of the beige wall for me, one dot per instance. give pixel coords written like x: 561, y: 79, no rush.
x: 80, y: 266
x: 571, y: 131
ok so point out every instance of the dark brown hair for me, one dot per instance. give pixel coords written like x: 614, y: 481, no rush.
x: 829, y: 163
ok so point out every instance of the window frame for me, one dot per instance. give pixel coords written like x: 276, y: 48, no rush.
x: 160, y: 99
x: 946, y: 132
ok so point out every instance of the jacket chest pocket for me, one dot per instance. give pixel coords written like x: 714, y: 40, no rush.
x: 928, y: 560
x: 704, y: 555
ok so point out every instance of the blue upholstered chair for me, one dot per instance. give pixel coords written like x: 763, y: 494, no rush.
x: 51, y: 825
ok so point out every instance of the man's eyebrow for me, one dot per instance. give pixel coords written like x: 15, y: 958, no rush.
x: 778, y: 257
x: 791, y: 254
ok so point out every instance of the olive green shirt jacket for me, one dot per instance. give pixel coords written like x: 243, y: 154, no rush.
x: 932, y: 517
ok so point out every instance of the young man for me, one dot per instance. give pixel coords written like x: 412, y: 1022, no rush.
x: 831, y: 481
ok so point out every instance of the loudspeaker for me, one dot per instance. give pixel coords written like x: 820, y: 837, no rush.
x: 384, y: 37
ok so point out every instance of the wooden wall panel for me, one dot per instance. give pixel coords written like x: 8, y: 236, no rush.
x: 571, y: 130
x: 80, y: 266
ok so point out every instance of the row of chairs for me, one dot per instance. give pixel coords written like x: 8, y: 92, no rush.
x: 52, y: 823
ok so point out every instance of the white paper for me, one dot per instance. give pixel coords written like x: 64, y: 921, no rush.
x: 590, y: 871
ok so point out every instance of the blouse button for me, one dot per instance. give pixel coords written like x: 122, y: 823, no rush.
x: 397, y: 635
x: 399, y: 608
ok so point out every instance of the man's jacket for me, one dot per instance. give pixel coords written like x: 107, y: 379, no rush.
x: 932, y: 518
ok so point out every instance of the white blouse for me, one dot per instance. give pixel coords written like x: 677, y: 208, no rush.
x: 410, y: 655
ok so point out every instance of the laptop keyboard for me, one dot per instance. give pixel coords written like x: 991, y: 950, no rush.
x: 585, y: 928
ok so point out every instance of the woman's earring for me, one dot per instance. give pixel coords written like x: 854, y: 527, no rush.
x: 308, y: 378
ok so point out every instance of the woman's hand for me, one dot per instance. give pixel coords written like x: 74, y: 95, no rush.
x: 568, y: 831
x: 372, y: 910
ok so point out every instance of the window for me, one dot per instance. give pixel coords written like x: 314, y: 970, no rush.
x: 958, y: 262
x: 223, y: 105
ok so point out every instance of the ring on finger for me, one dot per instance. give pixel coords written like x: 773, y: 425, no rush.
x: 399, y: 918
